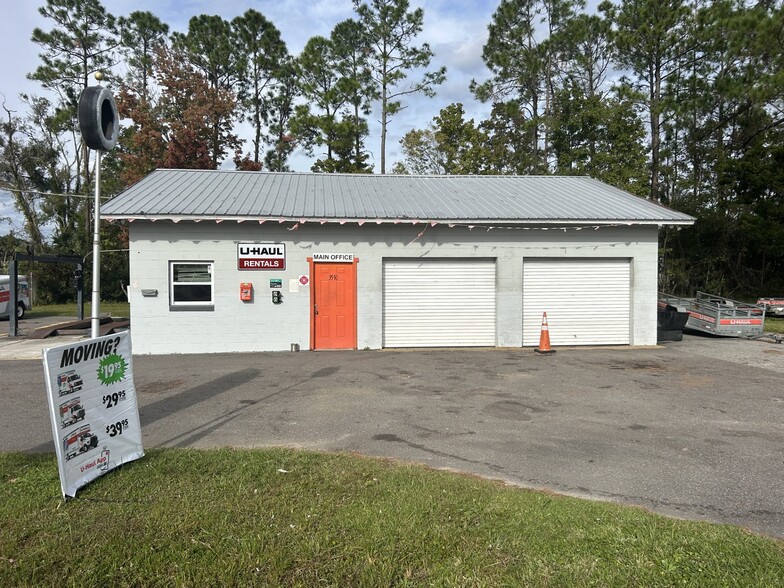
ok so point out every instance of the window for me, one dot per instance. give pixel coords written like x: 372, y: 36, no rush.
x: 191, y: 285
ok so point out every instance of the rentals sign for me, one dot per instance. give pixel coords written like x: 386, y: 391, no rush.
x: 261, y: 256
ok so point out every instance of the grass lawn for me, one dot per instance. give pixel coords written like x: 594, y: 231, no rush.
x: 115, y: 309
x: 774, y: 325
x: 282, y: 517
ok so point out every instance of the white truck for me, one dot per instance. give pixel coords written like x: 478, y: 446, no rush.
x: 22, y: 297
x: 69, y: 382
x: 71, y: 412
x: 78, y: 441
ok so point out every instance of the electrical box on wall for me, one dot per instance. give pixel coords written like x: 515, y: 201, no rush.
x: 246, y: 292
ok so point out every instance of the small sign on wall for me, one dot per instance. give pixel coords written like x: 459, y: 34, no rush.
x: 261, y: 256
x: 334, y: 257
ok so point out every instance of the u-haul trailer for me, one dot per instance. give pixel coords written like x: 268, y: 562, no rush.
x: 718, y: 315
x: 773, y: 306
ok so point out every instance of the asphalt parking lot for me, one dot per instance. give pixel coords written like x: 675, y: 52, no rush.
x: 692, y: 429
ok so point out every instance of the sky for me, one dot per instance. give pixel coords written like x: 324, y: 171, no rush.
x: 455, y: 29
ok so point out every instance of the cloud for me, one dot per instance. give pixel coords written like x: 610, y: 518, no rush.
x: 20, y: 54
x: 463, y: 57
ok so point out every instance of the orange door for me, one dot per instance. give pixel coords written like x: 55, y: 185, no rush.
x: 335, y: 306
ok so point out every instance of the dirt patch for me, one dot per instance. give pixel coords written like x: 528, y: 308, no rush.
x: 693, y: 382
x: 644, y: 366
x: 160, y: 386
x: 511, y: 410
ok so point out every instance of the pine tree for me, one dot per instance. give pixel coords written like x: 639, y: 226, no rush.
x: 211, y: 48
x: 392, y: 31
x: 264, y: 50
x: 81, y: 43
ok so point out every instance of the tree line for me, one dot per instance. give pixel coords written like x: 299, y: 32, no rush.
x: 181, y: 96
x: 678, y: 101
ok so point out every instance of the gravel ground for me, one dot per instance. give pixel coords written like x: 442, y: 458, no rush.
x: 760, y: 354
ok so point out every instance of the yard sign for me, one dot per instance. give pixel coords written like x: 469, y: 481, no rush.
x: 92, y: 403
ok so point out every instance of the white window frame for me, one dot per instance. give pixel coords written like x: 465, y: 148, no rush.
x: 195, y: 304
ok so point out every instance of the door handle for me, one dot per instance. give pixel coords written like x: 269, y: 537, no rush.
x: 315, y: 309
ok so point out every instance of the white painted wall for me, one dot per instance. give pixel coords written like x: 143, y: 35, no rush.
x: 262, y: 326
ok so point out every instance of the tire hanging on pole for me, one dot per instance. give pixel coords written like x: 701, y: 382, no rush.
x: 99, y: 121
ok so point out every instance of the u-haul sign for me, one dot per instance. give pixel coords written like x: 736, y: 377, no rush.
x: 261, y: 256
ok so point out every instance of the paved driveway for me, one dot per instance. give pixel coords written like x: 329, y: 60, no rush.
x: 691, y: 429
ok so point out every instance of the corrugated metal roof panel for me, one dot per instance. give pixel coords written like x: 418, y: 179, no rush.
x: 211, y: 194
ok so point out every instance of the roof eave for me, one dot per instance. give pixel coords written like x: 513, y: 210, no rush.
x: 396, y: 221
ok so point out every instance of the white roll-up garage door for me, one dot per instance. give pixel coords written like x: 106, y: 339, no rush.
x: 439, y: 303
x: 588, y: 301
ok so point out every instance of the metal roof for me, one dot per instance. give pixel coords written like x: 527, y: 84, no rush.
x: 303, y: 197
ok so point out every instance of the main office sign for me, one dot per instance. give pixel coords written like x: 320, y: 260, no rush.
x: 334, y: 257
x: 261, y: 256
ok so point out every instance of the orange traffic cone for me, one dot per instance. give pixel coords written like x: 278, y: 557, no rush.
x: 544, y: 338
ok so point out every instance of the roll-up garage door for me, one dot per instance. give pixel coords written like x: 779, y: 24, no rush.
x: 588, y: 301
x: 439, y: 303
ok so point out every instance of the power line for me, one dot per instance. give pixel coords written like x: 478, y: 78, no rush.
x: 4, y: 189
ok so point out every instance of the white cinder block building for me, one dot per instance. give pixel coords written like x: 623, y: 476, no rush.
x: 226, y: 261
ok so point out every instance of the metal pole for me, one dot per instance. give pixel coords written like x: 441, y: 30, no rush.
x: 13, y: 283
x: 80, y: 291
x: 95, y: 321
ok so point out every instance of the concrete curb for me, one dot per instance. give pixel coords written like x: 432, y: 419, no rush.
x: 21, y: 348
